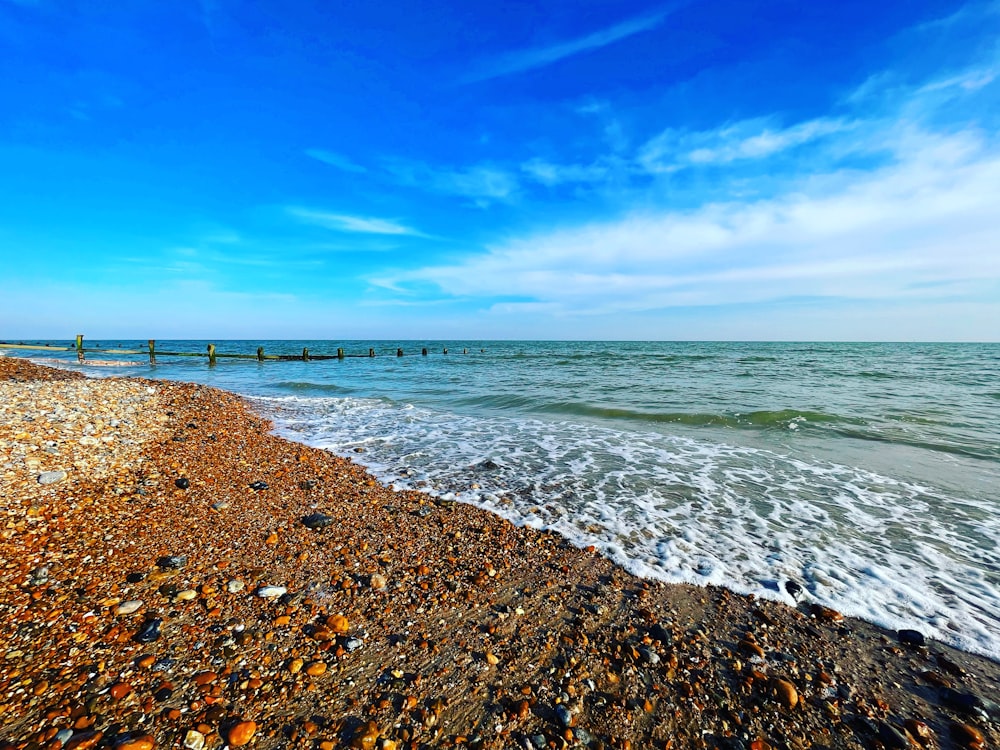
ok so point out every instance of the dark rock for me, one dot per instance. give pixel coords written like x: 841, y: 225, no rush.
x: 171, y: 562
x: 135, y: 577
x: 793, y: 589
x: 261, y: 485
x: 967, y: 703
x: 488, y: 465
x: 658, y: 633
x: 892, y: 737
x: 317, y: 520
x: 183, y: 483
x: 149, y: 631
x: 307, y: 484
x: 163, y: 692
x: 911, y: 638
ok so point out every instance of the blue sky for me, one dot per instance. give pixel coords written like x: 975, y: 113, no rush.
x: 613, y: 170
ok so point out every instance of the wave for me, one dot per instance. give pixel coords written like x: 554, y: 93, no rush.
x: 305, y: 386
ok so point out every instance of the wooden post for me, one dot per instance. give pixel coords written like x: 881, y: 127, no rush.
x: 211, y: 354
x: 152, y: 351
x: 340, y: 353
x: 371, y: 352
x: 79, y: 347
x: 465, y: 351
x: 305, y: 354
x: 399, y: 352
x: 424, y: 351
x: 260, y: 353
x: 446, y: 350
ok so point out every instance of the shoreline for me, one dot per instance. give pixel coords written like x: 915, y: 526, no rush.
x: 458, y: 629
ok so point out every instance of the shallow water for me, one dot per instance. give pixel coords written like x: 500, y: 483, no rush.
x: 868, y: 473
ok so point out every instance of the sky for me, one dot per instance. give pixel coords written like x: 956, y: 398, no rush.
x: 710, y: 170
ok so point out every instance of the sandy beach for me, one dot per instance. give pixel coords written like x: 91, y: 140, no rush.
x: 176, y: 576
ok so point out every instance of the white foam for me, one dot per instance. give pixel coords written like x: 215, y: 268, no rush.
x: 895, y: 553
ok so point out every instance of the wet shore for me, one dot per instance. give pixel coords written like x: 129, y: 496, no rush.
x: 175, y: 576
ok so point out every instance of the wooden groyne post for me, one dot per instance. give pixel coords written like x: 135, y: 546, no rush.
x: 399, y: 352
x: 79, y: 347
x: 152, y: 351
x: 371, y: 352
x: 260, y: 353
x: 340, y: 353
x: 305, y: 354
x: 211, y: 354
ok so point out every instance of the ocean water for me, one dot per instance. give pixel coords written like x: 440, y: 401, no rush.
x: 867, y: 473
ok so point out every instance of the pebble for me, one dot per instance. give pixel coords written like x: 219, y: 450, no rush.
x: 786, y: 693
x: 127, y: 608
x: 51, y: 477
x: 378, y: 581
x: 271, y: 592
x: 145, y: 742
x: 194, y: 740
x: 892, y: 737
x: 234, y: 586
x: 241, y: 733
x: 919, y: 731
x: 966, y: 735
x: 261, y: 485
x: 183, y: 483
x: 911, y: 638
x: 564, y: 715
x: 149, y: 631
x: 186, y: 595
x: 317, y: 521
x: 171, y: 562
x: 338, y: 624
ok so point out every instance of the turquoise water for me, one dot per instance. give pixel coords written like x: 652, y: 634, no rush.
x: 868, y: 473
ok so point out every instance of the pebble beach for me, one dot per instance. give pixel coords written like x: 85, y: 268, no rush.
x: 174, y: 575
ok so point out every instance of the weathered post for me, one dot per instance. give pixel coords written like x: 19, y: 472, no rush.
x: 260, y: 353
x: 340, y: 353
x: 446, y: 350
x: 79, y: 347
x: 424, y: 351
x: 371, y: 352
x: 305, y: 354
x: 152, y: 351
x: 399, y: 352
x: 465, y: 351
x: 211, y: 355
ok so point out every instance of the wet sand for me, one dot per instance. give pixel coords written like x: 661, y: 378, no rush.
x: 168, y: 590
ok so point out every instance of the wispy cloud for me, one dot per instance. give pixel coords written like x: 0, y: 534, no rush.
x: 335, y: 160
x: 347, y: 223
x: 916, y: 221
x: 539, y: 57
x: 483, y: 184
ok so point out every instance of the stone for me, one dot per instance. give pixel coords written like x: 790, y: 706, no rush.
x: 793, y: 589
x: 564, y: 715
x: 966, y: 735
x: 149, y: 631
x: 317, y: 521
x: 194, y: 740
x: 183, y: 483
x: 891, y: 737
x: 316, y: 669
x: 145, y: 742
x: 271, y: 592
x: 912, y: 638
x: 785, y: 693
x: 234, y: 586
x: 338, y: 624
x: 127, y: 608
x: 119, y: 690
x: 260, y: 485
x: 241, y: 733
x: 378, y: 581
x: 750, y: 649
x: 919, y: 731
x: 825, y: 613
x: 353, y: 644
x: 171, y: 562
x: 186, y: 595
x: 51, y: 477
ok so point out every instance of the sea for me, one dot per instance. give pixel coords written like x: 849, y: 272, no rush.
x: 867, y: 473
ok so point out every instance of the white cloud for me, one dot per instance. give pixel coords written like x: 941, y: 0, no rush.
x: 483, y: 184
x: 347, y: 223
x: 335, y: 160
x: 924, y: 226
x: 538, y: 57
